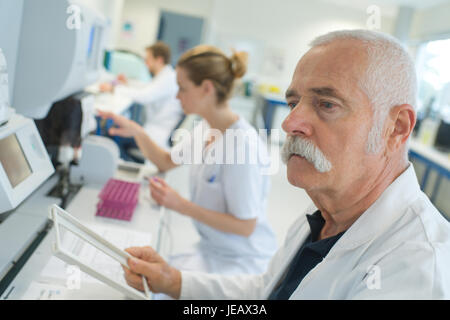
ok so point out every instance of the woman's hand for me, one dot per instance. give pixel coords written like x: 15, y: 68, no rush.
x: 165, y: 195
x: 122, y: 79
x: 159, y: 275
x: 123, y: 127
x: 169, y: 198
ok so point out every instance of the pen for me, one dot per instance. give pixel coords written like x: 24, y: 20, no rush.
x: 146, y: 289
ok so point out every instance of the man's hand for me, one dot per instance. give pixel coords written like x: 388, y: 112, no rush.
x: 123, y: 127
x: 106, y: 87
x: 165, y: 195
x: 160, y: 276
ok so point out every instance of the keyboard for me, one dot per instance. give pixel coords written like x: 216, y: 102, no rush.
x: 118, y: 199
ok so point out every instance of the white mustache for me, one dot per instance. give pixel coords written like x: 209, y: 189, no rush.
x: 295, y: 145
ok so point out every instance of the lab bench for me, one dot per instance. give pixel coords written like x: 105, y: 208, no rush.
x: 148, y: 218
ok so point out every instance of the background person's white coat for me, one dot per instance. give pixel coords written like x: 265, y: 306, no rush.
x: 162, y: 109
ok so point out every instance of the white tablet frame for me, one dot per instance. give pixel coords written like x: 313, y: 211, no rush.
x: 61, y: 217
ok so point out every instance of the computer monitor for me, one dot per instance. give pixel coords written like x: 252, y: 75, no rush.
x: 24, y: 162
x: 443, y: 136
x: 95, y: 48
x: 55, y: 60
x: 128, y: 63
x: 13, y: 160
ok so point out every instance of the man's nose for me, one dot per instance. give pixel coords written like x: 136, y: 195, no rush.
x: 298, y: 121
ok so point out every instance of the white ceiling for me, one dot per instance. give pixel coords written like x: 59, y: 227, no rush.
x: 418, y: 4
x: 388, y: 7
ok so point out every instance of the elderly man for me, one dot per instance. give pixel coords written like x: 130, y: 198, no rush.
x: 372, y: 233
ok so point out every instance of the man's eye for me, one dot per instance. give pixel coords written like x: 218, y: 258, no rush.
x: 292, y: 105
x: 328, y: 106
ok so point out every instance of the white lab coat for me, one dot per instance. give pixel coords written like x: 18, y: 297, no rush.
x: 398, y: 249
x: 237, y: 189
x: 162, y: 109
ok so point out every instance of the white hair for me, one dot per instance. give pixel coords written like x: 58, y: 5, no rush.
x: 390, y: 78
x: 305, y: 148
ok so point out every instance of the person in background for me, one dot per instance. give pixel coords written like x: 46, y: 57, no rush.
x: 228, y: 200
x: 162, y: 110
x: 372, y: 233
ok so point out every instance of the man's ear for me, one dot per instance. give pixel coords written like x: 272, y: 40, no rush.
x: 402, y: 121
x: 160, y: 60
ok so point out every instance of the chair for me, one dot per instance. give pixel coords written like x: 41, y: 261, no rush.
x: 136, y: 155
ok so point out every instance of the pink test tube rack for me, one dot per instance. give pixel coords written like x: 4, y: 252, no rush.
x: 118, y: 199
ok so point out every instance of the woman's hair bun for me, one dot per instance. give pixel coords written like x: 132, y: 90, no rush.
x: 239, y: 61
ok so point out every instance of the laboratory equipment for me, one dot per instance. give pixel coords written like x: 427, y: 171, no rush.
x: 24, y: 163
x: 24, y: 168
x: 128, y: 63
x: 99, y: 161
x: 52, y: 54
x: 62, y: 130
x: 60, y: 53
x: 5, y: 110
x: 118, y: 199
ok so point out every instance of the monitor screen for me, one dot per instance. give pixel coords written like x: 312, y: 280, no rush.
x: 443, y: 136
x: 13, y: 160
x: 93, y: 48
x: 91, y: 41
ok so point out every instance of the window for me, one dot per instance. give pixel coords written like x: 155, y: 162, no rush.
x: 433, y: 71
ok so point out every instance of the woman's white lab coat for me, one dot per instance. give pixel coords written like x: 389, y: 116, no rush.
x: 398, y: 249
x: 237, y: 189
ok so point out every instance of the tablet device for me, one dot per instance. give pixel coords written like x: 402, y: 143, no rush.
x: 62, y: 219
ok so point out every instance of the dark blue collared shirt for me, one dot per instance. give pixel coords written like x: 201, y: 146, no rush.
x: 310, y: 254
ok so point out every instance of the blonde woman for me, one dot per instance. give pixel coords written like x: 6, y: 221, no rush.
x: 228, y: 200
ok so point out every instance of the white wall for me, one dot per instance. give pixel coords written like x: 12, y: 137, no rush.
x: 431, y: 22
x: 284, y: 27
x: 266, y: 28
x: 144, y: 16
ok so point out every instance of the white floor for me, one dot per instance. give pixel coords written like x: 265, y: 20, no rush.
x: 285, y: 204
